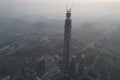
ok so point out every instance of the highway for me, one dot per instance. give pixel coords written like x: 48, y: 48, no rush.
x: 91, y: 45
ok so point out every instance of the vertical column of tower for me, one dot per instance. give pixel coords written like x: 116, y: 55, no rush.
x: 67, y: 41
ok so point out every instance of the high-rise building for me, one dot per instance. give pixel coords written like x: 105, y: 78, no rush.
x: 70, y: 68
x: 41, y: 66
x: 67, y: 41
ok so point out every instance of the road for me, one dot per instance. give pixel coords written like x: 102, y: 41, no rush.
x: 91, y: 45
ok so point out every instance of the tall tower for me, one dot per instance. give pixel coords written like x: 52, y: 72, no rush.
x: 67, y: 41
x: 69, y: 67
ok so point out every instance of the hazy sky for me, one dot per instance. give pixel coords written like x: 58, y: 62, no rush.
x: 56, y: 8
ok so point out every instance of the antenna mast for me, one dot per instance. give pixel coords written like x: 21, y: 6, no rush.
x: 69, y: 8
x: 68, y: 3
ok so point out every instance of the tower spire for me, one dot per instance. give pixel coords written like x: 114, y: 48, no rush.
x: 68, y: 7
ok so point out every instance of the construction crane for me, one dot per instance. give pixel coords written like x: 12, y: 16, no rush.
x: 71, y: 6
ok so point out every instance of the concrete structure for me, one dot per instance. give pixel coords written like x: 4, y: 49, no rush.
x: 70, y: 68
x: 41, y: 66
x: 4, y: 76
x: 35, y: 69
x: 67, y: 41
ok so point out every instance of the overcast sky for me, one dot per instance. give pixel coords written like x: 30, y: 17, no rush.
x: 56, y: 8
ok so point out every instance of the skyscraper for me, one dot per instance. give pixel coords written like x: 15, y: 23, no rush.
x: 67, y: 41
x: 70, y: 68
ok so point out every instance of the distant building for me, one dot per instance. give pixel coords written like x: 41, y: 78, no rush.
x: 29, y: 71
x: 41, y: 66
x: 33, y: 70
x: 4, y: 75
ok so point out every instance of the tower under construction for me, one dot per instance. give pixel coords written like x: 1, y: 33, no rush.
x: 69, y: 68
x: 67, y: 42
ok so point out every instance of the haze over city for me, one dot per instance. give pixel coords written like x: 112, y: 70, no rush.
x: 59, y: 39
x: 95, y: 9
